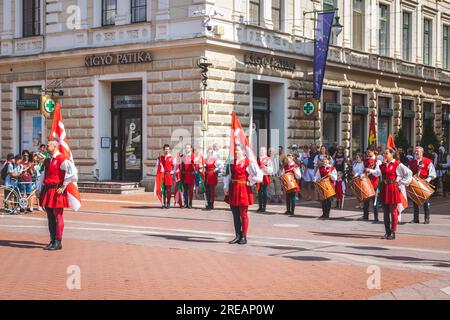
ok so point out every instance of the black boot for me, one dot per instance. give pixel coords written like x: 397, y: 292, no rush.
x: 391, y: 236
x: 235, y: 240
x: 57, y: 245
x: 416, y: 214
x: 426, y: 210
x: 243, y: 240
x: 375, y: 214
x: 288, y: 204
x: 51, y: 244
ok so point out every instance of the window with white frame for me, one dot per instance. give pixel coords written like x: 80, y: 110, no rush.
x: 445, y: 44
x: 255, y: 12
x: 383, y: 36
x: 358, y: 24
x: 406, y: 36
x: 427, y: 41
x: 138, y: 11
x: 109, y: 12
x: 31, y: 18
x: 276, y: 14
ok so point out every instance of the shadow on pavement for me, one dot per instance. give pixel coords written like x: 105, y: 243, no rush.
x: 285, y: 248
x: 307, y: 258
x: 346, y: 235
x: 185, y: 238
x: 368, y: 248
x: 22, y: 244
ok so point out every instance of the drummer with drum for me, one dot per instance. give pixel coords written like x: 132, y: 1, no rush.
x: 422, y: 168
x: 290, y: 177
x: 324, y: 180
x: 371, y: 162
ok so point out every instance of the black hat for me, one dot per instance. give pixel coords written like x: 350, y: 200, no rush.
x: 10, y: 156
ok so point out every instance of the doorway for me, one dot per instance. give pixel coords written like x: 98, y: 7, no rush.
x: 126, y: 112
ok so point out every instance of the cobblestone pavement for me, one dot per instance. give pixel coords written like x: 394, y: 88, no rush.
x: 127, y: 247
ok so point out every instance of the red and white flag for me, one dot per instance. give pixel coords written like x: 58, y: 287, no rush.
x: 58, y: 133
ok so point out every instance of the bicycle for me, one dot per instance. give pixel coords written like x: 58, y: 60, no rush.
x: 13, y: 199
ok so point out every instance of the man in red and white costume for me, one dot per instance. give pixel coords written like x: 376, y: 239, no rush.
x: 238, y: 190
x: 188, y: 175
x: 51, y: 187
x: 371, y: 162
x: 165, y: 164
x: 394, y: 175
x: 265, y: 164
x: 423, y: 168
x: 213, y: 167
x: 326, y: 170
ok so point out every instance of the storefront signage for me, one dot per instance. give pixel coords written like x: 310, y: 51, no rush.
x: 360, y: 110
x: 332, y: 107
x: 28, y: 103
x: 428, y: 115
x: 309, y: 108
x: 385, y: 112
x: 272, y: 62
x: 48, y: 104
x: 123, y: 58
x: 409, y: 114
x: 133, y: 101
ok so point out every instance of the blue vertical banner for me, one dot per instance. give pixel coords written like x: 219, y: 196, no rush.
x: 321, y: 42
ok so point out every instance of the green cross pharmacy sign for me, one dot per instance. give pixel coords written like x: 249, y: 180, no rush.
x: 308, y: 108
x: 48, y: 104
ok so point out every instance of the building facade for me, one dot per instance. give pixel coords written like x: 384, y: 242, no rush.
x: 131, y: 83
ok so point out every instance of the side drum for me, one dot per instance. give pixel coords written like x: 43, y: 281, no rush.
x: 419, y: 191
x: 362, y: 188
x: 325, y: 189
x: 289, y: 182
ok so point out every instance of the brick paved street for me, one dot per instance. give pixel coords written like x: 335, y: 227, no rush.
x: 126, y: 247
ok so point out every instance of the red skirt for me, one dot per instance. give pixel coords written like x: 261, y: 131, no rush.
x: 51, y: 199
x: 188, y: 178
x: 211, y: 178
x: 240, y: 195
x: 390, y: 193
x: 168, y: 179
x: 339, y: 191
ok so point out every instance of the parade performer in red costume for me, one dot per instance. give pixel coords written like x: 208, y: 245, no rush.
x: 371, y: 162
x: 58, y: 173
x: 265, y: 164
x: 423, y: 168
x: 213, y: 167
x: 241, y: 173
x: 291, y: 166
x: 340, y: 191
x: 395, y: 176
x: 188, y: 175
x: 326, y: 170
x: 165, y: 167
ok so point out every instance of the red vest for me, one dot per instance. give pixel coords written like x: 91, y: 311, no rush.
x: 53, y: 174
x: 167, y: 164
x: 210, y: 166
x: 188, y: 169
x: 240, y: 193
x: 415, y: 166
x: 324, y: 171
x: 263, y: 162
x: 371, y: 164
x: 389, y: 171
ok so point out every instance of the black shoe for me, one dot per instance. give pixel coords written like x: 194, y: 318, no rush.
x: 56, y: 246
x: 415, y: 221
x: 243, y: 240
x: 427, y: 221
x: 259, y: 210
x: 376, y: 219
x: 391, y: 236
x: 22, y: 210
x: 363, y: 218
x: 235, y: 240
x: 386, y: 236
x: 29, y: 210
x: 263, y: 210
x: 287, y: 212
x: 51, y: 244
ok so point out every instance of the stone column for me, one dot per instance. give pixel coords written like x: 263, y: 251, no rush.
x: 83, y: 5
x: 397, y: 119
x: 237, y: 10
x: 162, y: 19
x: 347, y: 22
x: 417, y: 37
x: 419, y: 121
x: 437, y: 39
x: 266, y: 21
x: 298, y: 16
x: 346, y: 120
x: 438, y: 119
x: 398, y: 27
x: 7, y: 35
x: 372, y: 22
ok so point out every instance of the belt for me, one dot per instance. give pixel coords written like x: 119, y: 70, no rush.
x: 210, y: 170
x: 239, y: 181
x: 188, y: 172
x: 389, y: 181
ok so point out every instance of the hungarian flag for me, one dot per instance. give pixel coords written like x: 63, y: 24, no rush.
x: 58, y: 132
x: 390, y: 142
x: 372, y: 131
x: 159, y: 185
x: 178, y: 185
